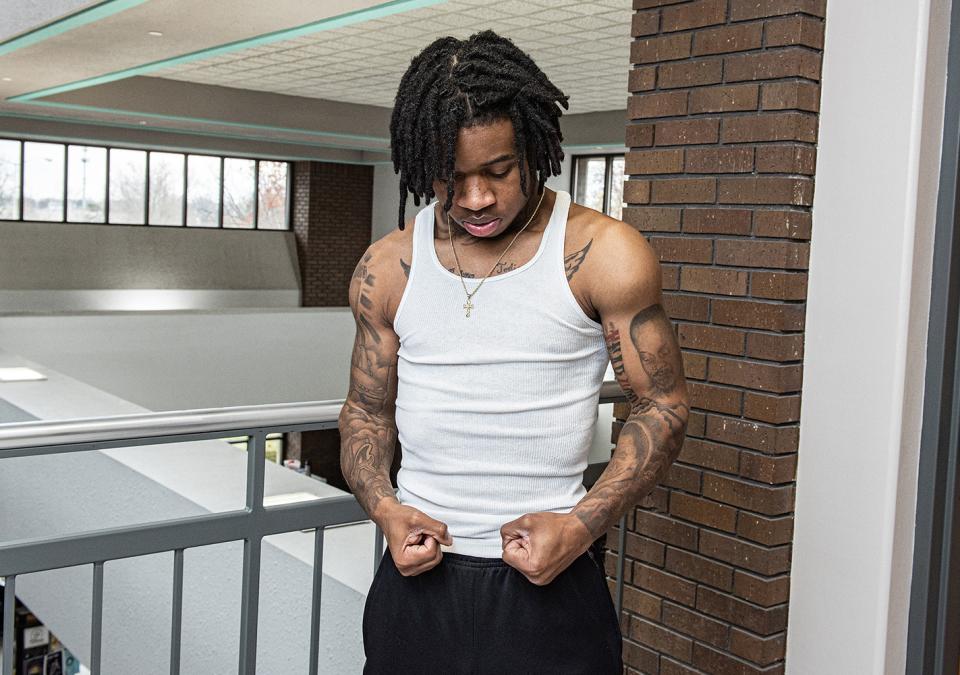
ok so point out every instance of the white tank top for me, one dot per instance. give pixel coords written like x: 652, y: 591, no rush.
x: 495, y: 411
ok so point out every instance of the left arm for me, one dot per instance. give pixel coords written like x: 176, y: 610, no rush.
x: 626, y: 292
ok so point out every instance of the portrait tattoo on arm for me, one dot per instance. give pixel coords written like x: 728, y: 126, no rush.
x: 653, y: 433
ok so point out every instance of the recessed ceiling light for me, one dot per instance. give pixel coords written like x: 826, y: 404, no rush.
x: 154, y: 33
x: 19, y: 375
x: 6, y: 79
x: 143, y: 121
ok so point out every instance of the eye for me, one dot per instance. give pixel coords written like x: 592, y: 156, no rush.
x: 500, y: 174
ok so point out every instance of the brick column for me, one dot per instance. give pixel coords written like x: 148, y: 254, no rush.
x: 722, y: 133
x: 332, y: 207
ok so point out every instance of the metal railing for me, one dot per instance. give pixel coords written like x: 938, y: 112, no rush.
x: 250, y: 524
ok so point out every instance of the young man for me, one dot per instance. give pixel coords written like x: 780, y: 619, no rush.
x: 484, y: 328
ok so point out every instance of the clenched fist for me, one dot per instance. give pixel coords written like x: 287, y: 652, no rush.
x: 541, y: 545
x: 414, y: 538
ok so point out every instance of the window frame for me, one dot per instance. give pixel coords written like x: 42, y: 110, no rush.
x: 607, y: 174
x: 146, y: 216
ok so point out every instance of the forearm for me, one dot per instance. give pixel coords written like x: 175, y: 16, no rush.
x: 367, y: 443
x: 648, y: 443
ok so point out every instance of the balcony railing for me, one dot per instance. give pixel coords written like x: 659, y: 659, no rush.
x: 250, y: 524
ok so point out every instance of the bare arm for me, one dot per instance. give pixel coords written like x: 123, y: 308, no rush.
x: 368, y: 431
x: 647, y: 362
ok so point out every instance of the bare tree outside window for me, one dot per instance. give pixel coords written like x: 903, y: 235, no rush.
x: 272, y: 212
x: 9, y: 180
x: 166, y: 188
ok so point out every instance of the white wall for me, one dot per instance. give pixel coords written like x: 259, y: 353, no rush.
x: 870, y: 272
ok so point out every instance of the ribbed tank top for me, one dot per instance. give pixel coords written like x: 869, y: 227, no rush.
x: 495, y: 411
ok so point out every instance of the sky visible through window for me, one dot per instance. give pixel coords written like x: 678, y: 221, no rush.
x: 94, y: 184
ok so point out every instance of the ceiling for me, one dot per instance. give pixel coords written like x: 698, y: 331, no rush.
x: 293, y: 78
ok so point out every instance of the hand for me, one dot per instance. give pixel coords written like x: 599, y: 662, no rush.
x: 414, y: 538
x: 541, y: 545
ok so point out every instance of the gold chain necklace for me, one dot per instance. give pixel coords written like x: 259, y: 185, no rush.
x: 468, y: 305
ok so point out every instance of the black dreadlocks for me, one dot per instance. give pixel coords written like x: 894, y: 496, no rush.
x: 454, y: 84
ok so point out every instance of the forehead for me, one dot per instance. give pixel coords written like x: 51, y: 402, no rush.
x: 482, y: 143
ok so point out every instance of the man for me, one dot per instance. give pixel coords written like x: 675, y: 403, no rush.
x: 484, y: 328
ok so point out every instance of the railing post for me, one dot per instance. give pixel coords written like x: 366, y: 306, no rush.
x: 249, y: 607
x: 315, y: 600
x: 96, y: 620
x: 9, y: 604
x: 176, y: 618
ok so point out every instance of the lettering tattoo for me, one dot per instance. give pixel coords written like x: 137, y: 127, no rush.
x: 367, y: 423
x: 465, y: 275
x: 572, y: 262
x: 653, y: 433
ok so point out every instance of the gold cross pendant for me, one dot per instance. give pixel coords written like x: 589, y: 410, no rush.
x: 468, y: 306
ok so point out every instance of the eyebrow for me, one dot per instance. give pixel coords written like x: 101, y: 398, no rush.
x: 501, y: 158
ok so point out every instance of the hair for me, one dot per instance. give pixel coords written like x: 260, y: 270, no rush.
x: 453, y: 84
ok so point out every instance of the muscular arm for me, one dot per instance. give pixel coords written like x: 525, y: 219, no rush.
x: 647, y: 362
x: 368, y: 431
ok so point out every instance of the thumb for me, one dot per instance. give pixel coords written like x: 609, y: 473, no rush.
x: 435, y: 528
x: 516, y: 527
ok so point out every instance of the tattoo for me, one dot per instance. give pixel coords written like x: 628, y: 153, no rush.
x: 367, y: 428
x: 406, y: 268
x: 465, y: 275
x: 504, y: 267
x: 572, y: 262
x: 653, y: 433
x: 659, y: 353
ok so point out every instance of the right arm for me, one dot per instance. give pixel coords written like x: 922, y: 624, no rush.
x: 368, y: 430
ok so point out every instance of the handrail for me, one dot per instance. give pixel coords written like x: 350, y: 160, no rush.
x: 25, y: 435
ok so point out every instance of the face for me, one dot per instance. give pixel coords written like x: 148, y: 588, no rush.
x: 486, y: 197
x: 657, y: 353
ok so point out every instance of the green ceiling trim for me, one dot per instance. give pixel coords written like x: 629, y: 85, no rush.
x: 186, y: 132
x: 204, y: 120
x: 67, y: 23
x: 330, y: 23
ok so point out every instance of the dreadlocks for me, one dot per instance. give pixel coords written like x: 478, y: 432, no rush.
x: 454, y: 84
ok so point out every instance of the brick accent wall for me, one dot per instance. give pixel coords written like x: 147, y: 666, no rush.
x: 331, y: 213
x: 332, y: 208
x: 722, y: 131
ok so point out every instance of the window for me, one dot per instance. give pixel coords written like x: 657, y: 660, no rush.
x: 43, y: 181
x: 598, y: 183
x: 95, y: 184
x: 273, y: 447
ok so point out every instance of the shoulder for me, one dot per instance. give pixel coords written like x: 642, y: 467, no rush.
x: 381, y: 273
x: 621, y: 266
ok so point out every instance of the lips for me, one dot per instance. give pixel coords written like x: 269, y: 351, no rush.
x: 481, y: 229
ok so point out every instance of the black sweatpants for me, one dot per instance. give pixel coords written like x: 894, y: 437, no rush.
x: 480, y: 616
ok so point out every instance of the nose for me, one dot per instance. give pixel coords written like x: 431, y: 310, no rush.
x: 475, y: 194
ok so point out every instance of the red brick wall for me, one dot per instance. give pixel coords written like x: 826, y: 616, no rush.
x: 722, y: 136
x: 332, y: 208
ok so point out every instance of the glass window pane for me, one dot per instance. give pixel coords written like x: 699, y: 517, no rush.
x: 273, y: 450
x: 128, y: 186
x: 9, y: 180
x: 43, y: 181
x: 203, y: 191
x: 589, y: 187
x: 615, y: 209
x: 86, y: 184
x: 239, y: 191
x: 272, y: 194
x: 166, y: 188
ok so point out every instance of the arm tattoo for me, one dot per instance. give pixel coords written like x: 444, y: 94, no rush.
x: 654, y: 431
x: 572, y: 262
x: 367, y: 428
x: 406, y: 268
